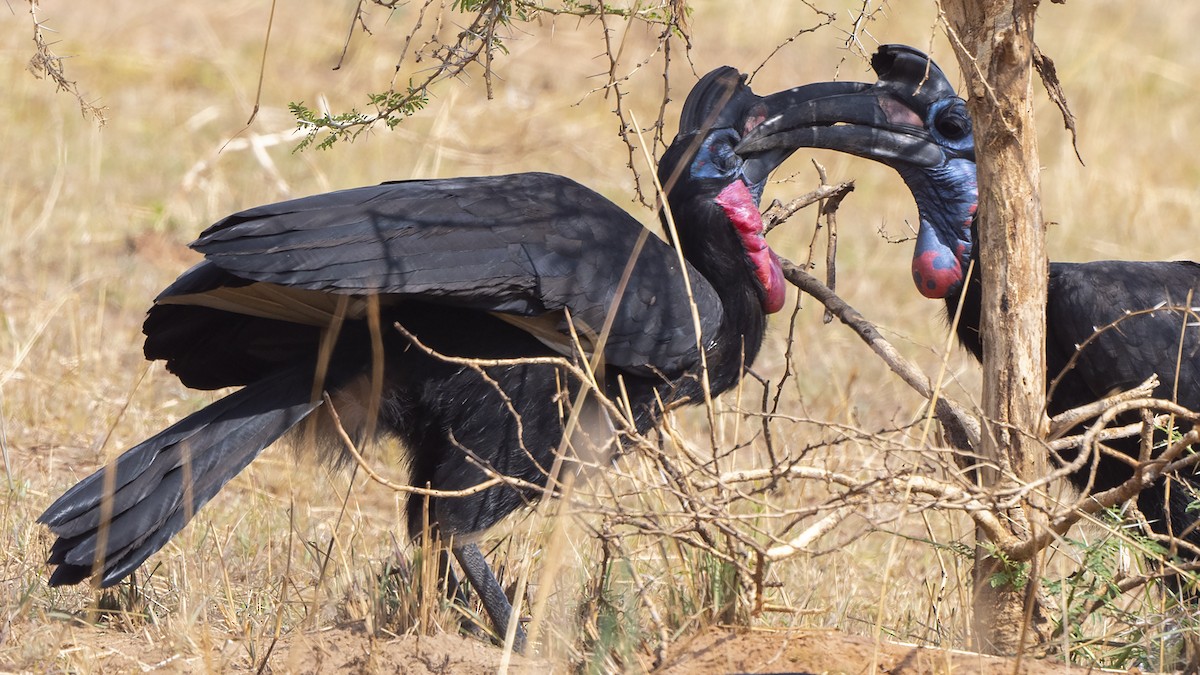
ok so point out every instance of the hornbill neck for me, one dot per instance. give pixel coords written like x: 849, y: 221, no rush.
x: 712, y: 194
x: 945, y: 259
x: 713, y: 232
x: 947, y: 198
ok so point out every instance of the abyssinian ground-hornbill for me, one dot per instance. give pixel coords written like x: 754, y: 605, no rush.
x: 285, y: 302
x: 912, y: 120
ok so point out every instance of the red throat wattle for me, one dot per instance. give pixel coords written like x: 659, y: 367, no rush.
x: 935, y: 274
x: 936, y: 268
x: 742, y: 211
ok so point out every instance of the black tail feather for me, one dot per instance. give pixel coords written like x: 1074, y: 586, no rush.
x: 162, y: 482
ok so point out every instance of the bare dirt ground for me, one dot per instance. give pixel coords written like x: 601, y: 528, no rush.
x: 714, y: 651
x: 727, y: 651
x: 350, y: 649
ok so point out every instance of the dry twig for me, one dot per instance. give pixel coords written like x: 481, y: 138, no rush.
x: 45, y: 64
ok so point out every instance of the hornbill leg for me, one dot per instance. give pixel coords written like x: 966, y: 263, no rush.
x: 495, y: 603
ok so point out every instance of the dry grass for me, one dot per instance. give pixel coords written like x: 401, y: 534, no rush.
x: 93, y: 222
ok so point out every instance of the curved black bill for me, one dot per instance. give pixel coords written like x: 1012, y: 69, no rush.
x: 873, y: 124
x: 884, y: 121
x: 723, y: 100
x: 761, y: 161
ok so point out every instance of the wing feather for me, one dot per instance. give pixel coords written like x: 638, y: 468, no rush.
x: 524, y: 244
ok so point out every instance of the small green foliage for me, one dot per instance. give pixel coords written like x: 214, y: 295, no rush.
x: 488, y: 23
x: 610, y: 620
x: 1140, y: 623
x: 1012, y: 573
x: 398, y: 105
x: 393, y: 108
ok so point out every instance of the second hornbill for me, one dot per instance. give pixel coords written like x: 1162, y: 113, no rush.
x: 297, y: 301
x: 912, y: 120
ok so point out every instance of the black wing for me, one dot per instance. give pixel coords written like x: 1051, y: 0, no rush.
x: 528, y: 244
x: 1085, y: 297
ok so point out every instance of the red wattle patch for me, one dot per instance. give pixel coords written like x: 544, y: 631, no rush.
x: 742, y: 211
x: 935, y: 273
x: 776, y: 291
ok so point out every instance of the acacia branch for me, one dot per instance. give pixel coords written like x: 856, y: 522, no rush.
x: 805, y: 539
x: 1147, y: 474
x: 1065, y: 421
x: 962, y: 429
x: 778, y: 212
x: 45, y: 64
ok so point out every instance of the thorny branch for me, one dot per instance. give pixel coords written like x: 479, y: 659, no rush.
x: 962, y: 428
x: 45, y: 64
x: 778, y: 212
x: 826, y: 18
x: 486, y: 28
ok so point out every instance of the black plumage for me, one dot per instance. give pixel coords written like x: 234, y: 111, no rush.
x: 912, y: 120
x: 483, y: 268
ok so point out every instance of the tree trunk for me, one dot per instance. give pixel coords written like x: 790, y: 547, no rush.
x: 993, y: 40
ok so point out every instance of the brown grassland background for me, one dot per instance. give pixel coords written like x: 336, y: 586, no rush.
x: 95, y: 221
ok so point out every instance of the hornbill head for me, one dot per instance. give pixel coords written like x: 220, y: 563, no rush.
x: 912, y: 120
x: 713, y: 188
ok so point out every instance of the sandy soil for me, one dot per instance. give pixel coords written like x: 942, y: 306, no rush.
x: 349, y: 649
x: 727, y: 651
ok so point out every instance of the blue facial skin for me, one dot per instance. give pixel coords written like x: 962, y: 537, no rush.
x: 950, y: 125
x: 951, y: 208
x: 716, y: 159
x: 947, y: 197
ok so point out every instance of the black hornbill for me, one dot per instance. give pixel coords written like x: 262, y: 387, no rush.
x: 912, y: 120
x: 298, y: 300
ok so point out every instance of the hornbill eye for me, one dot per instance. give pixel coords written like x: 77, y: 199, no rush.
x: 953, y: 124
x: 723, y: 155
x: 716, y: 158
